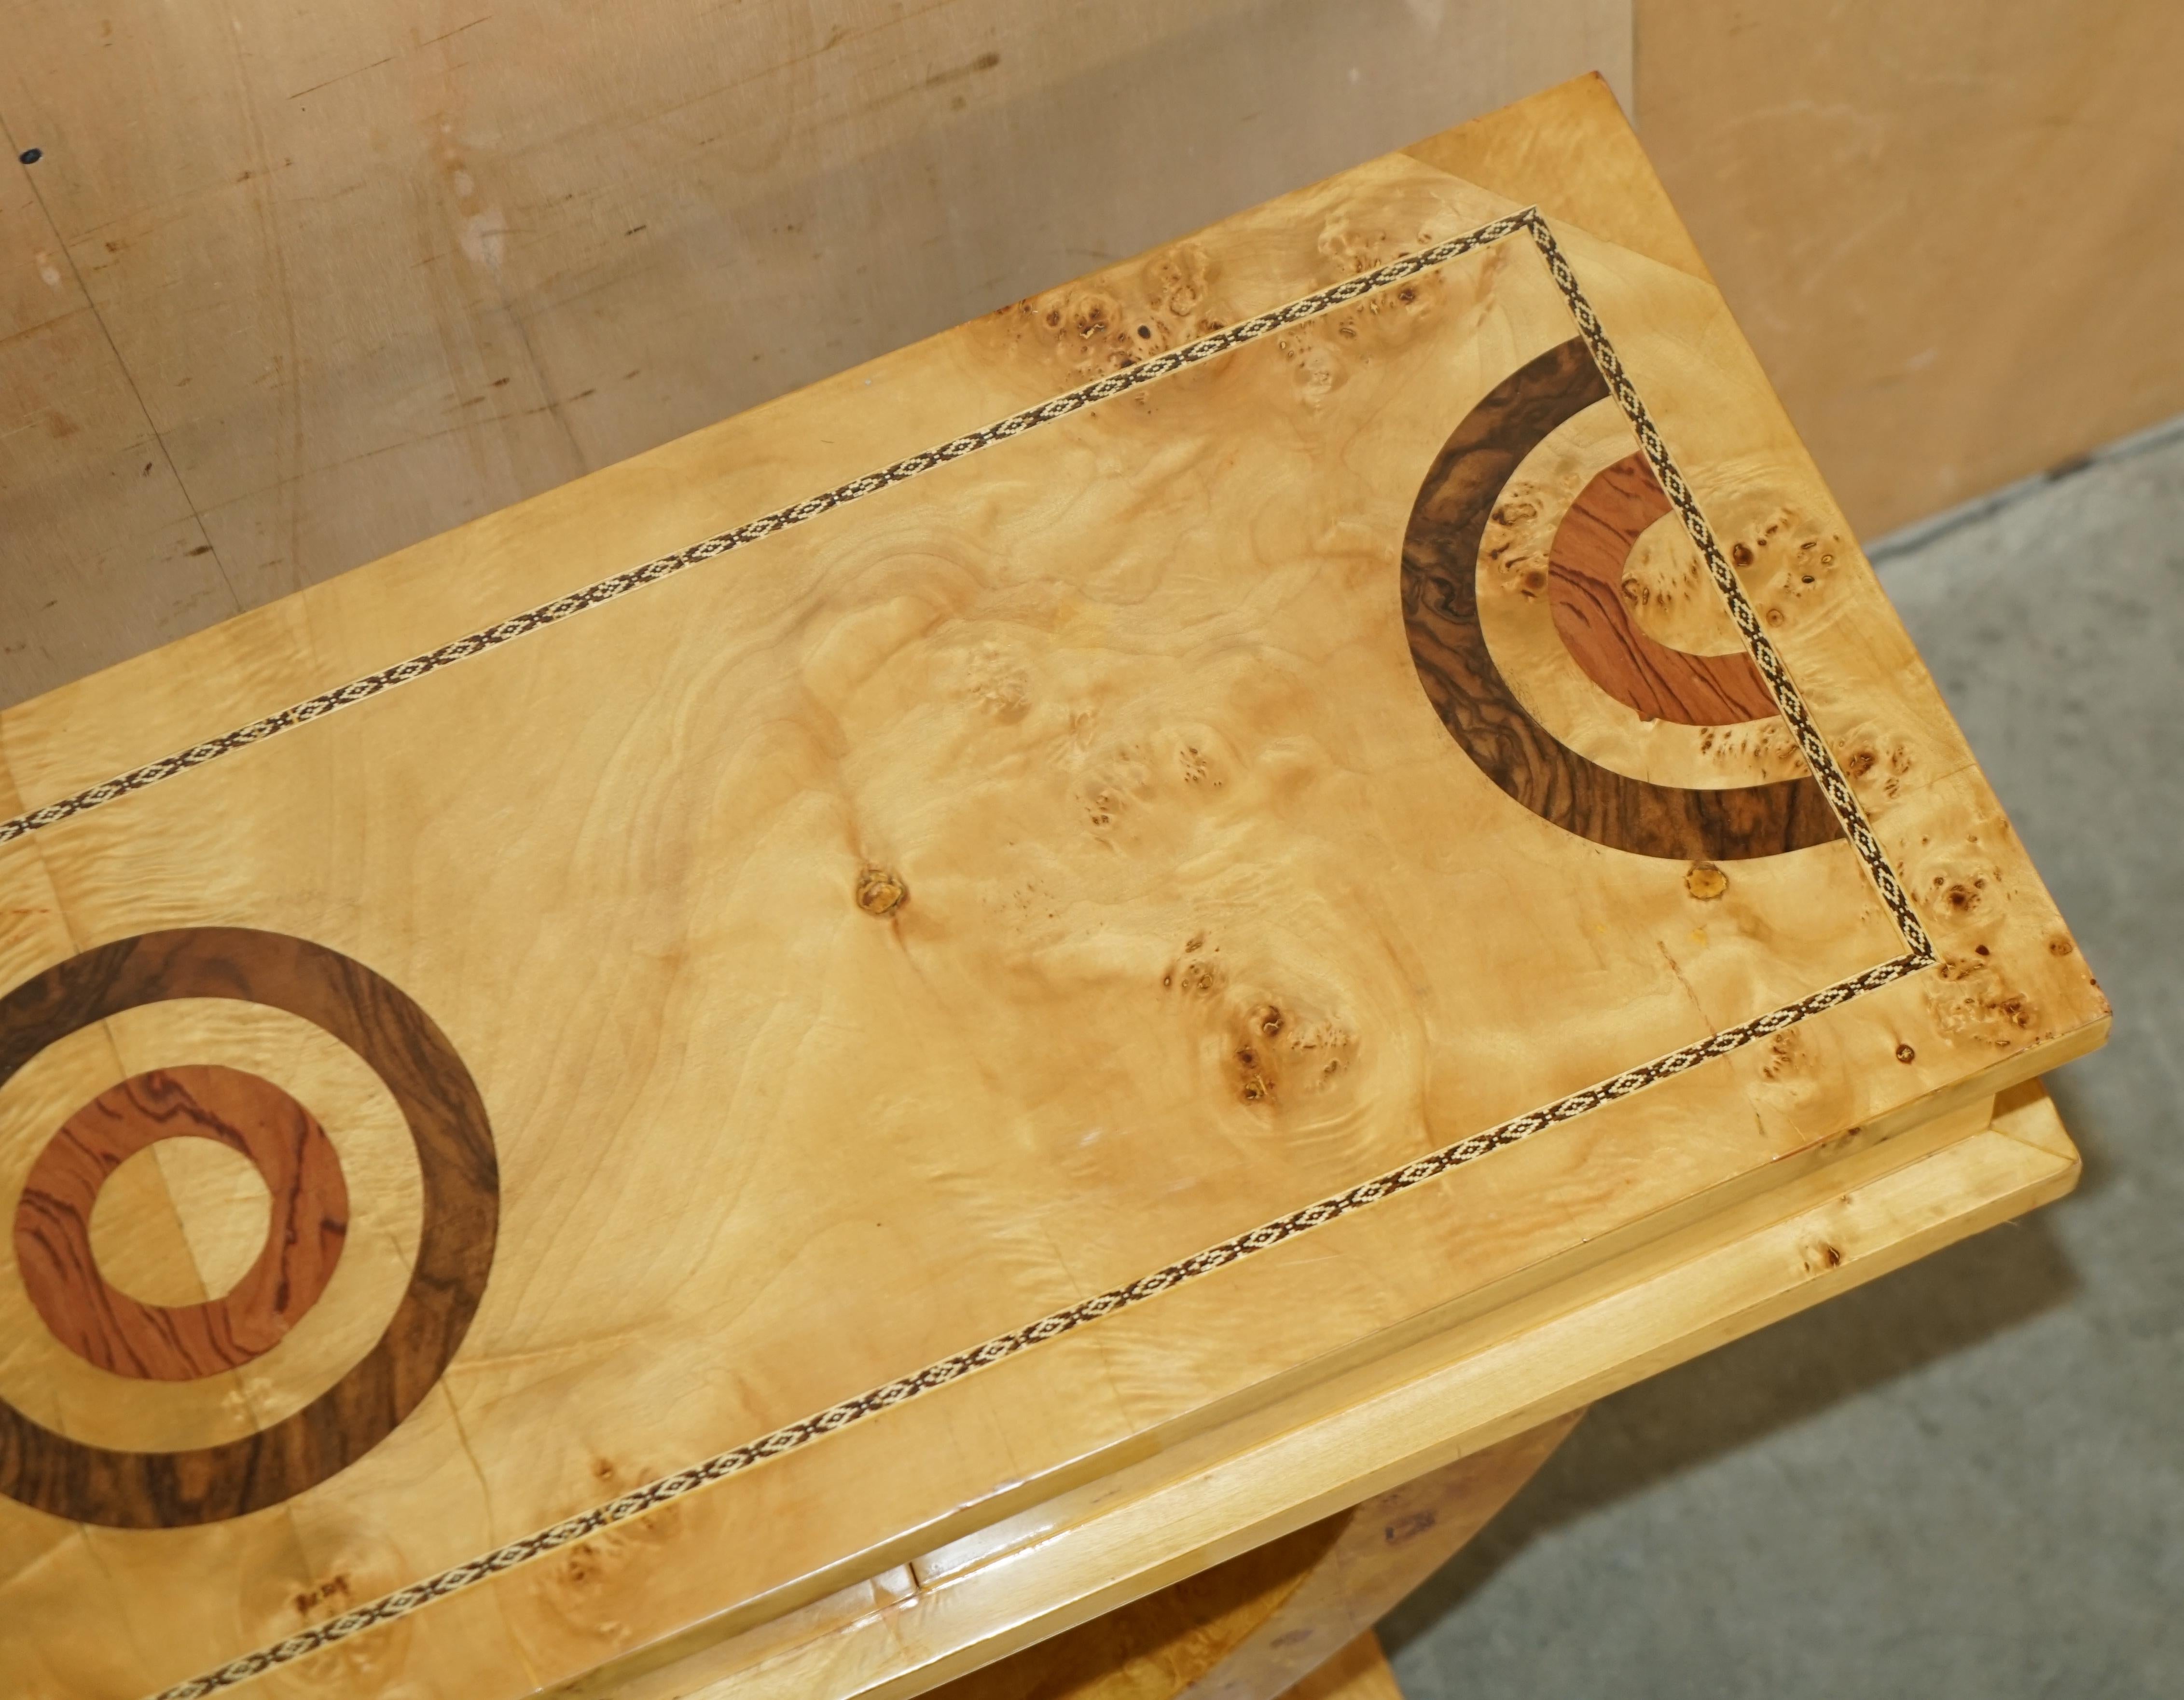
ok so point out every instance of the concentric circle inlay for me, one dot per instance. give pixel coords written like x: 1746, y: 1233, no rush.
x: 448, y: 1126
x: 306, y: 1227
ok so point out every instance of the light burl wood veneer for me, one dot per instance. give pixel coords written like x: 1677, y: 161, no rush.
x: 1254, y: 1627
x: 934, y: 913
x: 1472, y: 1403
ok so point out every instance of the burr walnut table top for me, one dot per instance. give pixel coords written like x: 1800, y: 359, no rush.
x: 797, y: 996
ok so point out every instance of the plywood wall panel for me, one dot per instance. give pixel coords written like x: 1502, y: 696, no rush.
x: 377, y: 270
x: 100, y: 553
x: 1950, y: 230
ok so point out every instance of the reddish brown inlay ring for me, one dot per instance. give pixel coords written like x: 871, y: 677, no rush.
x: 1484, y: 714
x: 451, y: 1135
x: 1586, y: 590
x: 310, y: 1219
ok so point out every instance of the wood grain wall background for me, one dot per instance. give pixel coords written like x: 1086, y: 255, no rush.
x: 292, y: 286
x: 289, y: 288
x: 1954, y: 232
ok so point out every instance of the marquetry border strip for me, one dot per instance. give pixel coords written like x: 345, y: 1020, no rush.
x: 1146, y: 371
x: 1920, y: 956
x: 1787, y: 698
x: 1264, y: 1237
x: 1817, y: 754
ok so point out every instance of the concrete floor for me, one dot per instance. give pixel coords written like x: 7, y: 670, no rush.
x: 1966, y: 1480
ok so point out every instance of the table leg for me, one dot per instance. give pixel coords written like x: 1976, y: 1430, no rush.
x: 1359, y: 1672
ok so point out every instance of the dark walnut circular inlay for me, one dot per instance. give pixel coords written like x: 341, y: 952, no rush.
x: 1480, y: 707
x: 456, y: 1165
x: 309, y: 1221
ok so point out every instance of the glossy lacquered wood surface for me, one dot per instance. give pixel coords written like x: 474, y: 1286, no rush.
x: 975, y: 898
